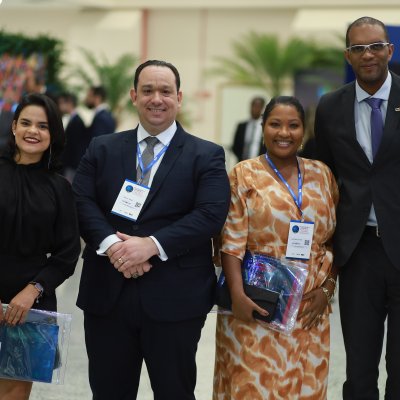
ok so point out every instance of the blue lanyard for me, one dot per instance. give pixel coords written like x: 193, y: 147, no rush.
x: 299, y: 199
x: 151, y: 163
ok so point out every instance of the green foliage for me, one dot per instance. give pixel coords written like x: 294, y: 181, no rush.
x: 117, y: 78
x: 185, y: 117
x: 50, y: 48
x: 261, y: 60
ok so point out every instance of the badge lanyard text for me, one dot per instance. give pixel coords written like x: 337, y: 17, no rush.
x: 297, y: 199
x: 144, y: 169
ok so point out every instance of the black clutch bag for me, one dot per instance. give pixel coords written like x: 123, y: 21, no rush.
x: 266, y: 299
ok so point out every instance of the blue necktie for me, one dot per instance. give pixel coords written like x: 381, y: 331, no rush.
x: 376, y: 123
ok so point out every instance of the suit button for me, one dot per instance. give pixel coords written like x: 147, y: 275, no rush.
x: 135, y: 227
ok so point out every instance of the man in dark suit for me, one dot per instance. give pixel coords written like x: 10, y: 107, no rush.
x: 77, y: 135
x: 248, y: 139
x: 367, y: 236
x: 166, y: 250
x: 103, y: 121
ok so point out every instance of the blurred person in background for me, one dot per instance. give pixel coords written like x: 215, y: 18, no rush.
x: 248, y: 139
x: 77, y: 135
x: 6, y: 118
x: 103, y: 121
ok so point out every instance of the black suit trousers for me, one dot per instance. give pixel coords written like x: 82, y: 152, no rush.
x: 369, y: 293
x: 118, y: 343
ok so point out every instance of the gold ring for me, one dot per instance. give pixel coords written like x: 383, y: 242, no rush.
x: 135, y: 275
x: 120, y: 260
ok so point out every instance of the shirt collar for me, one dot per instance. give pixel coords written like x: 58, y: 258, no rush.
x: 382, y: 93
x: 101, y: 107
x: 164, y: 137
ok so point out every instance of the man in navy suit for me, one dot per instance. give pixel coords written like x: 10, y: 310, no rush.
x: 248, y: 140
x: 367, y: 237
x: 103, y: 121
x: 148, y: 280
x: 77, y: 135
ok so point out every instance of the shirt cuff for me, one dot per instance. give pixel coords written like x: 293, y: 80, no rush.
x: 106, y: 243
x: 163, y: 255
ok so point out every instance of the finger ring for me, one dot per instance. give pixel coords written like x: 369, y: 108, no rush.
x: 135, y: 275
x: 120, y: 260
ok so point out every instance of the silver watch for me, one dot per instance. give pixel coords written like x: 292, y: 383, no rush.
x: 39, y: 288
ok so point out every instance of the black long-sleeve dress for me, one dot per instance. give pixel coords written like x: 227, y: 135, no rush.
x: 39, y: 236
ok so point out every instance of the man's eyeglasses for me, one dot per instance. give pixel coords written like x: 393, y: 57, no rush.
x: 372, y: 47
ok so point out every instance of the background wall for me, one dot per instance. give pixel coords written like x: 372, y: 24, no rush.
x: 191, y: 38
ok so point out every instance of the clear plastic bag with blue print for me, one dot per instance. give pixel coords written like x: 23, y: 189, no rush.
x: 287, y: 277
x: 35, y: 350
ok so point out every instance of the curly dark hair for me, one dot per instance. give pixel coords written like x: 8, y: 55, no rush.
x: 287, y: 101
x: 52, y: 156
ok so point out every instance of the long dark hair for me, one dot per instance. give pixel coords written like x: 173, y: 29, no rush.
x: 51, y: 158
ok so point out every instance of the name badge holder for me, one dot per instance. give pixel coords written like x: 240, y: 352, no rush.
x: 300, y: 232
x: 133, y: 195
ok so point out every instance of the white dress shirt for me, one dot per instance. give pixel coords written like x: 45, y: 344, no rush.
x: 252, y: 138
x: 164, y: 138
x: 362, y: 116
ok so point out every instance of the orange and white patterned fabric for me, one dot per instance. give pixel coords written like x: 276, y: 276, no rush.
x: 252, y: 361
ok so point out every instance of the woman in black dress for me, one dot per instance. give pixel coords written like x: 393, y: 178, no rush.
x: 39, y: 237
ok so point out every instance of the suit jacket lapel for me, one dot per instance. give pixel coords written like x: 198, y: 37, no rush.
x: 349, y: 97
x: 392, y: 119
x: 171, y: 155
x: 128, y: 154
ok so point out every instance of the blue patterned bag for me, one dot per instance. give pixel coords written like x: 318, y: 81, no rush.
x: 28, y: 351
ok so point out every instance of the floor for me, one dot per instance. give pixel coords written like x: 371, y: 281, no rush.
x: 76, y: 385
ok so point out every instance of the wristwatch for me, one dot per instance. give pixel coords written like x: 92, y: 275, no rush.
x: 39, y: 288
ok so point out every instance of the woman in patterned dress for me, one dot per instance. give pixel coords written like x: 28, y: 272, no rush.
x: 254, y: 362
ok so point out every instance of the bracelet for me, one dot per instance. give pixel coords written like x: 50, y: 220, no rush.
x: 330, y: 279
x: 327, y: 294
x: 333, y: 281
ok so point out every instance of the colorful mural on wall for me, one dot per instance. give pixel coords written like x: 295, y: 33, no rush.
x: 20, y: 74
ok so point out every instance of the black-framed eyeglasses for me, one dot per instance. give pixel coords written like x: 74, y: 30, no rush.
x: 372, y: 47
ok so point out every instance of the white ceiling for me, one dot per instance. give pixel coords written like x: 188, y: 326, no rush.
x: 163, y: 4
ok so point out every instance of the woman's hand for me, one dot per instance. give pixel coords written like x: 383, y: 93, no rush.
x: 243, y: 307
x: 313, y: 312
x: 20, y: 305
